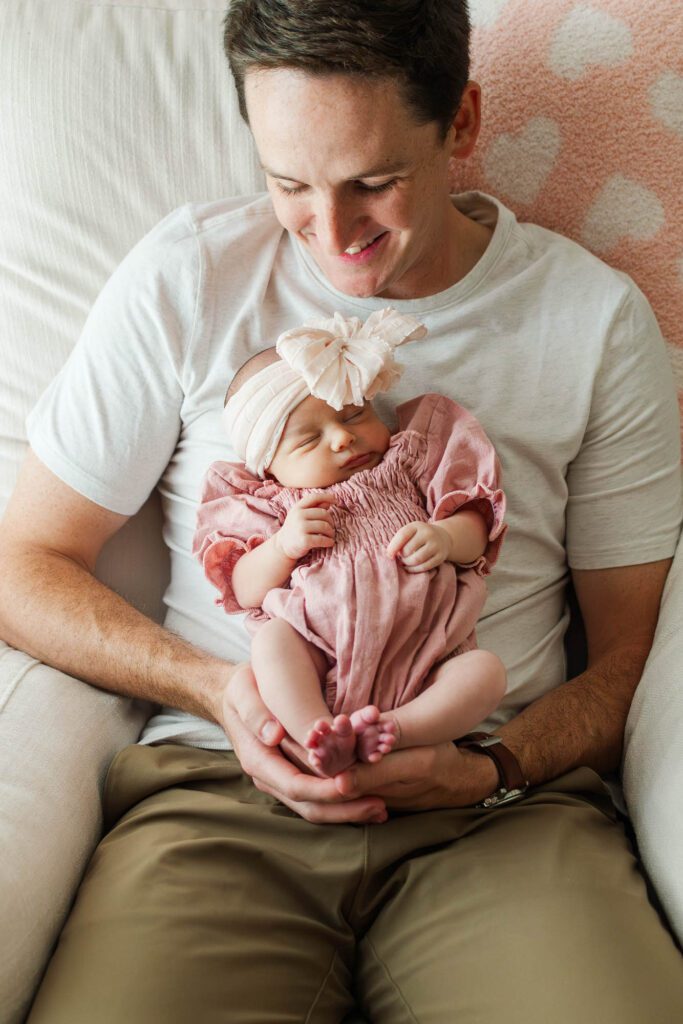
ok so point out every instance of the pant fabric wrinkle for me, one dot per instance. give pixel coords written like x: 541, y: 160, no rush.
x: 411, y: 1019
x: 318, y: 995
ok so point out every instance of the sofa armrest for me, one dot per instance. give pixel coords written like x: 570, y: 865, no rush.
x: 57, y: 738
x: 652, y: 767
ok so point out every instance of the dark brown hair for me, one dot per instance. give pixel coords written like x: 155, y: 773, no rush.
x: 422, y: 44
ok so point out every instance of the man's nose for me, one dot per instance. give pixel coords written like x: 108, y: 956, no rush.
x: 336, y: 225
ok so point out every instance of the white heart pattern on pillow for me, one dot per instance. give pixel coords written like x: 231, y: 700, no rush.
x: 666, y: 99
x: 588, y: 36
x: 484, y: 13
x: 623, y: 209
x: 517, y: 165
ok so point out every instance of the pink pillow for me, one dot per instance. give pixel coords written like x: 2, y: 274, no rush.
x: 582, y: 110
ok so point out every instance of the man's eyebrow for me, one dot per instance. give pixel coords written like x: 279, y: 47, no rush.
x: 373, y: 172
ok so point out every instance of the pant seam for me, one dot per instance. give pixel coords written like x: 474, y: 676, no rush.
x: 394, y: 983
x: 320, y: 991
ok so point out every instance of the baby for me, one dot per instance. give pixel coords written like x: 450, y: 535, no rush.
x: 359, y: 554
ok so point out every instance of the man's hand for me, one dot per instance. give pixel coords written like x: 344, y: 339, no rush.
x: 423, y: 778
x: 422, y: 546
x: 308, y: 525
x: 256, y: 735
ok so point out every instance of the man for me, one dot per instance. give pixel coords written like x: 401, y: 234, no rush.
x: 213, y: 898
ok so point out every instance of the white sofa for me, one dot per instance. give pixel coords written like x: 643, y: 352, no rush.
x: 113, y: 114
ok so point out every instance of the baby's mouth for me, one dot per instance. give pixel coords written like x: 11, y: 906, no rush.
x: 357, y: 460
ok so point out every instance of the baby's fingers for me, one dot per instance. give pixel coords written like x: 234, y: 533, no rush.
x: 400, y: 538
x: 316, y: 499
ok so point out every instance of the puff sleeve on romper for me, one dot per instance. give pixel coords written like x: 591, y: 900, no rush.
x: 381, y: 628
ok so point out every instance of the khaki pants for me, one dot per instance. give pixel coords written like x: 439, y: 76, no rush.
x: 207, y: 901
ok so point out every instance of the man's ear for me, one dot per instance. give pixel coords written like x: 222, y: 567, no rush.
x: 466, y: 123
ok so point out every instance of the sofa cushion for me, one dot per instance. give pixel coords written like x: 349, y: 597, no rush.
x: 653, y: 744
x: 58, y: 738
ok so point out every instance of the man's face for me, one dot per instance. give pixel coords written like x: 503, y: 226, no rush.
x: 358, y: 182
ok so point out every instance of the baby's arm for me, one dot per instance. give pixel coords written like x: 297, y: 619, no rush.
x: 258, y: 571
x: 462, y: 539
x: 308, y: 525
x: 468, y: 535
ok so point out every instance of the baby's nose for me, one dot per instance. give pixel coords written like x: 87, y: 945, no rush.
x: 341, y: 439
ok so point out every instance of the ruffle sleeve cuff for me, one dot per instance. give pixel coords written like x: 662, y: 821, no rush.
x: 491, y: 505
x: 219, y: 556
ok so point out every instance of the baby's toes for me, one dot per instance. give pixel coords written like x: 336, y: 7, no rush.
x: 387, y: 741
x: 314, y: 760
x: 369, y: 714
x: 317, y: 734
x: 342, y: 726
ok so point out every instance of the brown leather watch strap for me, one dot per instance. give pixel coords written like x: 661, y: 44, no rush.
x: 513, y: 785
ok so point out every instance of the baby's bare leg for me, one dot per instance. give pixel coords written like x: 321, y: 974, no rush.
x: 289, y: 671
x: 462, y: 692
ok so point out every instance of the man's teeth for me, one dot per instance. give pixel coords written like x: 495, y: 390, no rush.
x: 353, y: 250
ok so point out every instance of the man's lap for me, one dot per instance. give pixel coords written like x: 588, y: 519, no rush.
x: 208, y: 900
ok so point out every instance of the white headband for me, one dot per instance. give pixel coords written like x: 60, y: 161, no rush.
x: 344, y: 362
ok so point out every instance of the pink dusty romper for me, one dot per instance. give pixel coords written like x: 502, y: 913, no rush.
x: 381, y: 627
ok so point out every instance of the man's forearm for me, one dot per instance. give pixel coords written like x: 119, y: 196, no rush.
x: 579, y: 723
x: 56, y: 611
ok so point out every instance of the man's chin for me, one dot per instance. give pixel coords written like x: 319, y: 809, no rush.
x: 357, y: 286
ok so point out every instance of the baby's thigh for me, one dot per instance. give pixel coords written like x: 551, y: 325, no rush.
x: 279, y: 644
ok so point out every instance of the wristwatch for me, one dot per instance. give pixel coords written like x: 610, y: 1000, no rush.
x: 513, y: 785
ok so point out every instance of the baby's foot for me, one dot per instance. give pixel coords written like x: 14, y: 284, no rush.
x: 331, y: 745
x: 376, y: 733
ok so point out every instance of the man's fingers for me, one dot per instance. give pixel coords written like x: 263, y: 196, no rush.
x: 316, y: 799
x: 403, y: 768
x: 243, y: 697
x: 367, y: 809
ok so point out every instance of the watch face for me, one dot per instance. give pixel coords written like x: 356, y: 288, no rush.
x: 503, y: 796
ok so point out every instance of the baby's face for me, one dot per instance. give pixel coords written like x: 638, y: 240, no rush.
x: 320, y: 446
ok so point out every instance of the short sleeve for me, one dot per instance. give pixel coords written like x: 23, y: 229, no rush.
x: 459, y: 469
x: 109, y: 422
x: 234, y: 516
x: 624, y: 485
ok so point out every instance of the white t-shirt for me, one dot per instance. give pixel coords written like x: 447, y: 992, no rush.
x: 556, y: 354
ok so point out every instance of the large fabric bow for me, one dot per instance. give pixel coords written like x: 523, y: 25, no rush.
x: 342, y: 361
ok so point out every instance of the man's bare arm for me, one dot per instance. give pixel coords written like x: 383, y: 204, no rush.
x: 583, y: 722
x: 52, y: 607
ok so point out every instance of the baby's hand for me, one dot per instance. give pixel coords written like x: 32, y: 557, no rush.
x: 308, y: 525
x: 422, y: 546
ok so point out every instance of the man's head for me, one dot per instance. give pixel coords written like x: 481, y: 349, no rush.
x: 356, y: 110
x: 423, y: 45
